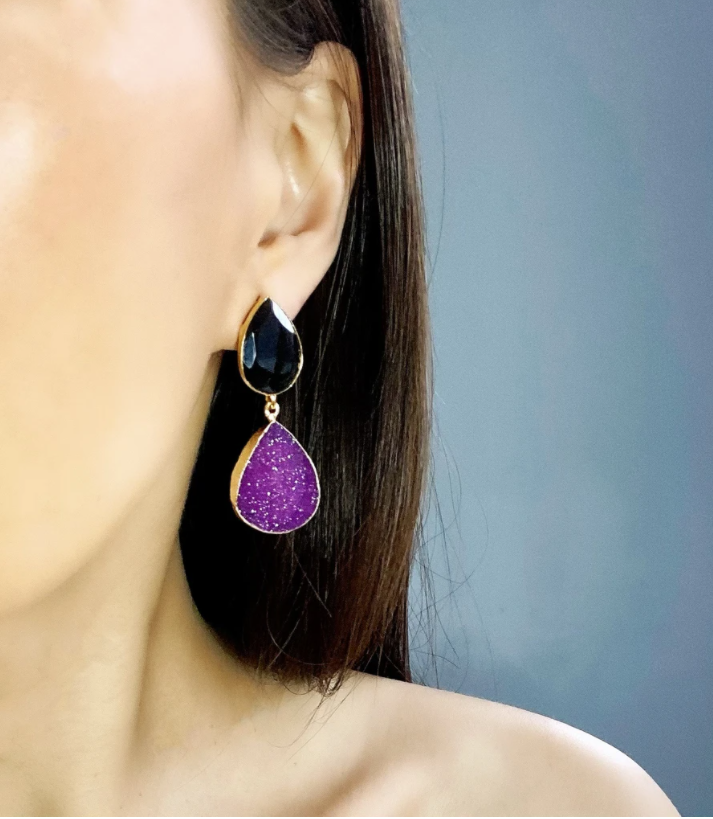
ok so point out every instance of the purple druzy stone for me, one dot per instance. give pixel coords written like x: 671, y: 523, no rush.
x: 279, y: 489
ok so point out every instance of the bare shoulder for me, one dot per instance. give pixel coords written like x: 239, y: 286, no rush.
x: 440, y: 753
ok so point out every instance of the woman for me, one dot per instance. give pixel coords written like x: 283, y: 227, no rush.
x: 166, y: 167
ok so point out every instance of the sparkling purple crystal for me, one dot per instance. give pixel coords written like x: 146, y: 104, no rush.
x: 278, y: 490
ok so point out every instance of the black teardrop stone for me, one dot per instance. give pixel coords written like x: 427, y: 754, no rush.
x: 271, y: 350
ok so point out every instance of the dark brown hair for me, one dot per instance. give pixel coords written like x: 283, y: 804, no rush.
x: 333, y: 595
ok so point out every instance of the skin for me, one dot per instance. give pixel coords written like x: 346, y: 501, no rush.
x: 152, y: 185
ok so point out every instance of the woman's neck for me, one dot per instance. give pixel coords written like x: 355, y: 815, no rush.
x: 114, y: 665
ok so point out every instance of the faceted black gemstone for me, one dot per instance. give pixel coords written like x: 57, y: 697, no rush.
x: 271, y: 350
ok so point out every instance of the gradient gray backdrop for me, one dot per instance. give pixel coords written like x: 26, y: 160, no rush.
x: 568, y: 166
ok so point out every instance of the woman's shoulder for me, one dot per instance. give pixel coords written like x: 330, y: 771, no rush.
x: 440, y: 753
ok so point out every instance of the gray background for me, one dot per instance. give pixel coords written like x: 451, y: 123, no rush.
x: 567, y: 153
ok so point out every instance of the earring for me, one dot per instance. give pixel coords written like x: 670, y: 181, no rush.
x: 274, y: 486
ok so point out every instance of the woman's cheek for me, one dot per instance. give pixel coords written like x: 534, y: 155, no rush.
x: 117, y: 168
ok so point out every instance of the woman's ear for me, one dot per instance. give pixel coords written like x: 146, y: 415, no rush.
x: 314, y: 119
